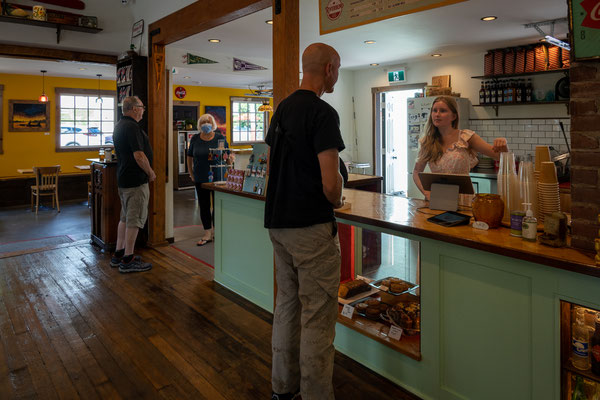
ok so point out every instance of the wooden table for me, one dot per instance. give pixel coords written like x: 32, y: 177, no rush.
x: 25, y: 171
x: 83, y: 167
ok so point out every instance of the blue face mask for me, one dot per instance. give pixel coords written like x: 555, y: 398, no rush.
x: 206, y: 128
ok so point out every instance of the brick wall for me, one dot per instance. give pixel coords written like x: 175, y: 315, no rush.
x: 585, y: 145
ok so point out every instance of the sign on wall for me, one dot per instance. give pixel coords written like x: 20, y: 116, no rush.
x: 336, y: 15
x: 180, y: 92
x: 397, y: 76
x: 584, y: 21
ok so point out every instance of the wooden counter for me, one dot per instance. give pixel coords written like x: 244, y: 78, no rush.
x: 410, y: 216
x: 370, y: 183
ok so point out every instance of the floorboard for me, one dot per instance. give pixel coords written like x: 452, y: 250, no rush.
x: 72, y: 327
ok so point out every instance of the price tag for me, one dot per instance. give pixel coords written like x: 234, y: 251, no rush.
x: 384, y: 288
x: 348, y: 311
x: 395, y: 332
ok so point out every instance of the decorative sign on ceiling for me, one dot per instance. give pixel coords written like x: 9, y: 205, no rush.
x: 180, y: 92
x: 192, y: 59
x: 584, y: 21
x: 336, y: 15
x: 241, y: 65
x: 397, y: 76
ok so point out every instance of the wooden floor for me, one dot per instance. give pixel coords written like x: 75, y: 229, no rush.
x: 72, y: 327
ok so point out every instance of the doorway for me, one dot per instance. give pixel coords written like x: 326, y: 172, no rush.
x: 391, y: 135
x: 185, y: 118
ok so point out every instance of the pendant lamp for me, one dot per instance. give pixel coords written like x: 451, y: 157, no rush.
x: 265, y: 106
x: 43, y: 98
x: 99, y: 99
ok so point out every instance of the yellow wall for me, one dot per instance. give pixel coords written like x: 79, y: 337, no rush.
x: 24, y: 150
x: 213, y: 96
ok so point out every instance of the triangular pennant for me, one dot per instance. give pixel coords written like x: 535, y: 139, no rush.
x: 241, y: 65
x: 192, y: 59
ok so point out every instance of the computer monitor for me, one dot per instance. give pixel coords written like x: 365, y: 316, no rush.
x: 445, y: 189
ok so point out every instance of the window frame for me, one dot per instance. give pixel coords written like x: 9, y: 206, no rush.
x: 87, y: 92
x: 266, y: 119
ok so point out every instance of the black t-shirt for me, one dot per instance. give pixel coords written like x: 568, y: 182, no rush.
x: 128, y: 138
x: 199, y: 150
x: 303, y: 126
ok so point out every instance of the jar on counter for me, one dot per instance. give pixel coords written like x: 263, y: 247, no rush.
x: 101, y: 154
x: 488, y: 208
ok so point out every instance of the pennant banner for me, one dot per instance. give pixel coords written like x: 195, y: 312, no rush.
x: 241, y: 65
x: 192, y: 59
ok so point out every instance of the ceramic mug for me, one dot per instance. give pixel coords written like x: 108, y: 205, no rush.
x: 39, y: 13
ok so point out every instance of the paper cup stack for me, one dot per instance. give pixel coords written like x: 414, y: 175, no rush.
x: 547, y: 183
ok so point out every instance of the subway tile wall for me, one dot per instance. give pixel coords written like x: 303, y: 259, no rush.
x: 524, y: 134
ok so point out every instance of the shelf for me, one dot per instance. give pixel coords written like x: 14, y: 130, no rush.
x: 552, y: 71
x: 58, y: 26
x: 586, y: 374
x: 495, y: 106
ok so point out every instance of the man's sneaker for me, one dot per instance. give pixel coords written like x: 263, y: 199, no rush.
x: 285, y: 396
x: 116, y: 261
x: 135, y: 265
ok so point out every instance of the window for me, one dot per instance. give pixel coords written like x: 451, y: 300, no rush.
x: 248, y: 125
x: 81, y: 121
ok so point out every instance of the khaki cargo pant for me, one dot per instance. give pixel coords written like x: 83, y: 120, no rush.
x: 308, y: 276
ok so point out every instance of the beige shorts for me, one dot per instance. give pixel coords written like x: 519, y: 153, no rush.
x: 134, y: 205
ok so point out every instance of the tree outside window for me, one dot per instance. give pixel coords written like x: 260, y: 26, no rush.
x: 248, y: 125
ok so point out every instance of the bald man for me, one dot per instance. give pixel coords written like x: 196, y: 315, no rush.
x: 305, y: 186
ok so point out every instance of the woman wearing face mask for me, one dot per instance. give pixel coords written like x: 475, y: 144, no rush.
x: 199, y: 167
x: 448, y: 149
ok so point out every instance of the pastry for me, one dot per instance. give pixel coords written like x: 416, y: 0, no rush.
x: 373, y: 302
x: 361, y: 307
x: 372, y: 312
x: 352, y: 288
x: 399, y: 287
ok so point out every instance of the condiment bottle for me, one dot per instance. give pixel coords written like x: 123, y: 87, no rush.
x: 101, y: 154
x: 580, y: 341
x: 529, y: 224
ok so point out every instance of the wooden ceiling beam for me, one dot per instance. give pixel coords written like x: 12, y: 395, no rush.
x: 202, y: 16
x: 41, y: 53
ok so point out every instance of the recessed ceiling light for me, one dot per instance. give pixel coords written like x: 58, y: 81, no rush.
x: 369, y: 41
x: 373, y: 64
x: 214, y: 40
x: 186, y: 77
x: 269, y: 21
x: 489, y: 18
x: 82, y: 69
x: 436, y: 55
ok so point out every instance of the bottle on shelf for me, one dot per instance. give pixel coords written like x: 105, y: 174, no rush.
x: 595, y: 348
x: 580, y: 341
x: 578, y: 390
x: 519, y: 91
x: 500, y: 92
x: 528, y: 91
x: 482, y: 99
x: 491, y: 93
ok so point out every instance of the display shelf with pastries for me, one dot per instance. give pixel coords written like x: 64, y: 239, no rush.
x: 386, y: 293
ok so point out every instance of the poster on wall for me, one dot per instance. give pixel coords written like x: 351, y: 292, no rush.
x: 220, y: 115
x: 337, y: 15
x: 28, y: 116
x: 584, y: 21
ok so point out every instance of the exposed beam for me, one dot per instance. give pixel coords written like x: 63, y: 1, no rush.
x: 41, y: 53
x: 286, y: 52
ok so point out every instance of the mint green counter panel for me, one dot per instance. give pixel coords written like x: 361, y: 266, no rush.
x: 243, y: 250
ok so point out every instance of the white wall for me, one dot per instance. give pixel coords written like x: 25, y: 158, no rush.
x: 461, y: 70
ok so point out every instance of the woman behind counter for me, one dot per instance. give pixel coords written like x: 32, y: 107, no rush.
x: 448, y: 149
x: 199, y: 167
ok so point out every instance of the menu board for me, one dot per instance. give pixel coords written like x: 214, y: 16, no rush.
x: 337, y: 15
x: 585, y: 28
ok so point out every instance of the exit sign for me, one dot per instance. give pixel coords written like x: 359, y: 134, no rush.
x: 397, y: 76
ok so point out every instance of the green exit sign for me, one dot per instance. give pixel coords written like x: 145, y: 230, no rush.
x: 397, y: 76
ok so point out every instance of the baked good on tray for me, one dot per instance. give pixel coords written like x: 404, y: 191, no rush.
x: 353, y: 288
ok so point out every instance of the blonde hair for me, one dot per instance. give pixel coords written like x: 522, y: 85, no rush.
x: 207, y: 119
x: 431, y: 148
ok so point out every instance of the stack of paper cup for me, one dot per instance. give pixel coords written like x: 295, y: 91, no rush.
x: 548, y: 192
x: 508, y: 185
x: 542, y: 154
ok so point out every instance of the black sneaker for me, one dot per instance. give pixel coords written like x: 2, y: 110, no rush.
x: 285, y: 396
x: 135, y: 265
x: 116, y: 261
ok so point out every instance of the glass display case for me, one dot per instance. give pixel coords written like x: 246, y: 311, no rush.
x: 580, y: 352
x: 381, y: 296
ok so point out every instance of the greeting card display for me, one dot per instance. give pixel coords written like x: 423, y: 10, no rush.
x: 256, y: 171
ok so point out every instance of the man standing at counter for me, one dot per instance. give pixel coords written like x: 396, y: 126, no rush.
x: 305, y: 186
x: 134, y: 171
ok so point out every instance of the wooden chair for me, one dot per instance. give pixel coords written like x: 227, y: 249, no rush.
x: 46, y: 184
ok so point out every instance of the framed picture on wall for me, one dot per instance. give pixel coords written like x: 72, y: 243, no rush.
x: 220, y: 115
x: 28, y: 116
x: 584, y: 23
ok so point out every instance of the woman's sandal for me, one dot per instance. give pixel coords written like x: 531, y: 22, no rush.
x: 202, y: 242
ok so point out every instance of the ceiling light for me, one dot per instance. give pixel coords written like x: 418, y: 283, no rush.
x: 214, y: 40
x: 373, y: 64
x: 43, y: 98
x: 186, y: 77
x: 436, y: 55
x: 489, y: 18
x: 369, y: 41
x: 269, y: 21
x: 265, y: 106
x: 99, y: 99
x: 558, y: 42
